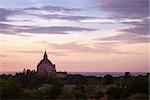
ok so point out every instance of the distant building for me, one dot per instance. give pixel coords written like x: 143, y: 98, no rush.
x: 45, y: 66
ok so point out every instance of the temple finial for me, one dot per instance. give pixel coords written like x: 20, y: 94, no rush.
x: 45, y: 54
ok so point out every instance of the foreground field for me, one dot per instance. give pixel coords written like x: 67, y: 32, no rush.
x: 30, y: 85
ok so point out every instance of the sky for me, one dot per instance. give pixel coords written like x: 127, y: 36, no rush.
x: 79, y: 35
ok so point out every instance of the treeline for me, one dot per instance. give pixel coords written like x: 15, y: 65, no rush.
x: 30, y: 85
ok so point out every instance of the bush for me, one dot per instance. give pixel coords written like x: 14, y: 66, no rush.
x: 114, y: 93
x: 32, y: 94
x: 46, y: 90
x: 138, y: 86
x: 50, y: 91
x: 79, y: 92
x: 138, y: 96
x: 10, y: 89
x: 108, y: 79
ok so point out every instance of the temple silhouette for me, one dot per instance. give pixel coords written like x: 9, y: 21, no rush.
x: 46, y: 67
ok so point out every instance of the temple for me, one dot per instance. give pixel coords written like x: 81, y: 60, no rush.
x: 45, y: 66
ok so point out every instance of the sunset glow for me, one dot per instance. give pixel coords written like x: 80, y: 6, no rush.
x: 79, y: 35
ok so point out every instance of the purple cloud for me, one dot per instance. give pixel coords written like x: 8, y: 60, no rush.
x: 10, y: 30
x: 55, y: 29
x: 57, y: 9
x: 17, y: 30
x: 4, y: 13
x: 64, y: 17
x: 126, y: 38
x: 129, y: 9
x: 58, y: 16
x: 126, y: 8
x: 140, y: 28
x: 53, y: 8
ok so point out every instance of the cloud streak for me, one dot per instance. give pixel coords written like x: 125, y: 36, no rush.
x: 9, y: 29
x: 5, y: 13
x: 38, y: 52
x: 126, y: 38
x: 65, y: 17
x: 3, y: 56
x: 126, y: 8
x: 74, y: 47
x: 17, y: 30
x: 53, y: 9
x: 55, y: 30
x: 140, y: 28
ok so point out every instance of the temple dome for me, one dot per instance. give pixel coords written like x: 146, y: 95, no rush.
x: 45, y: 66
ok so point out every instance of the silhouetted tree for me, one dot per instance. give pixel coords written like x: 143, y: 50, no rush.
x: 127, y: 75
x: 10, y: 89
x: 114, y: 93
x: 108, y: 79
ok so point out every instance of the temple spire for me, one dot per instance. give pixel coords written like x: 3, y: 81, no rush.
x: 45, y: 54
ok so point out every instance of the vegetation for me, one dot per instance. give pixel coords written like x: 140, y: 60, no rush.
x: 30, y: 85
